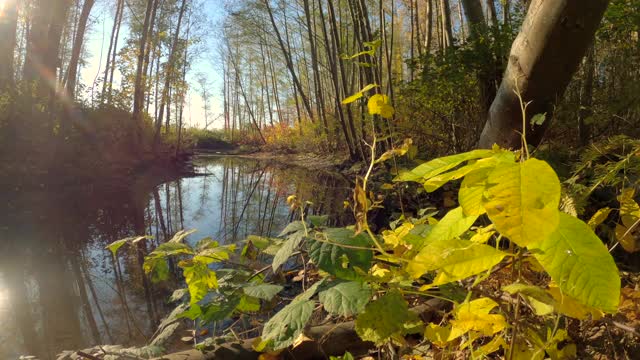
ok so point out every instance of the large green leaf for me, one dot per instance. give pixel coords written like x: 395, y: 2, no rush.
x: 452, y: 225
x: 471, y: 193
x: 455, y: 259
x: 435, y: 182
x: 387, y: 317
x: 440, y: 165
x: 522, y: 200
x: 329, y: 254
x: 263, y: 291
x: 287, y: 249
x: 285, y: 326
x: 346, y: 298
x: 580, y: 264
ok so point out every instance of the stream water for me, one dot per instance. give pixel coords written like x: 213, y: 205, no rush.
x: 61, y: 290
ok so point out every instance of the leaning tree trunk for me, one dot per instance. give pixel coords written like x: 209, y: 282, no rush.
x: 77, y: 47
x: 554, y: 38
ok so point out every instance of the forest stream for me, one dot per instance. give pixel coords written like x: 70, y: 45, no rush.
x: 60, y: 289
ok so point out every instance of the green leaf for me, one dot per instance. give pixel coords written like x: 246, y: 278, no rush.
x: 538, y: 119
x: 291, y: 228
x: 452, y: 225
x: 219, y: 310
x: 455, y: 259
x: 263, y: 291
x: 541, y: 302
x: 440, y: 165
x: 580, y: 264
x: 181, y: 235
x: 287, y: 249
x: 318, y: 220
x: 522, y: 201
x: 434, y: 183
x: 285, y: 326
x: 346, y: 356
x: 359, y: 94
x: 199, y: 278
x: 248, y: 304
x: 340, y: 261
x: 116, y: 245
x: 387, y: 317
x: 192, y: 313
x: 346, y: 298
x: 172, y: 249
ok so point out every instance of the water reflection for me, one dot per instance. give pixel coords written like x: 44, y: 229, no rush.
x: 59, y: 288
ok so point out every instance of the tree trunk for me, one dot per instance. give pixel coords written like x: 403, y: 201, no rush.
x: 447, y: 30
x: 289, y: 61
x: 554, y: 38
x: 138, y: 96
x: 111, y: 48
x: 77, y: 47
x: 169, y: 70
x: 8, y: 29
x: 493, y: 13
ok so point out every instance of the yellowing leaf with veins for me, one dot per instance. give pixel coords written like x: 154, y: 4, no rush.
x: 522, y: 200
x: 475, y: 316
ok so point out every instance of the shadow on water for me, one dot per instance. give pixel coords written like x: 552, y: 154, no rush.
x: 60, y: 289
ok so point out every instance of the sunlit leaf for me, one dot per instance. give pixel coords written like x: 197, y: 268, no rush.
x: 452, y: 225
x: 599, y: 217
x: 455, y: 259
x: 475, y: 316
x: 580, y: 264
x: 181, y: 235
x: 359, y: 94
x: 438, y: 166
x: 200, y: 279
x: 522, y: 201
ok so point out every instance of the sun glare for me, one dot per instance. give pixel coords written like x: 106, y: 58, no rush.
x: 2, y: 3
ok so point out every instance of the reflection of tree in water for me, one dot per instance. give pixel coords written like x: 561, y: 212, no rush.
x: 66, y: 291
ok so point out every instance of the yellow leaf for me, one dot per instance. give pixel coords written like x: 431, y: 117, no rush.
x: 394, y: 237
x: 522, y: 201
x: 437, y: 334
x: 570, y: 307
x: 359, y: 94
x: 599, y: 217
x: 379, y: 105
x: 475, y: 316
x: 483, y: 234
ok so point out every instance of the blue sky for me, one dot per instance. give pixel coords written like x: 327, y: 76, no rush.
x: 97, y: 45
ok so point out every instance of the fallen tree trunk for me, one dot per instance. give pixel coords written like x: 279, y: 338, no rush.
x: 325, y: 340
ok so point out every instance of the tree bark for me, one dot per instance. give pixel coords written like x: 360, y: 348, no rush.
x: 554, y: 38
x: 77, y: 47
